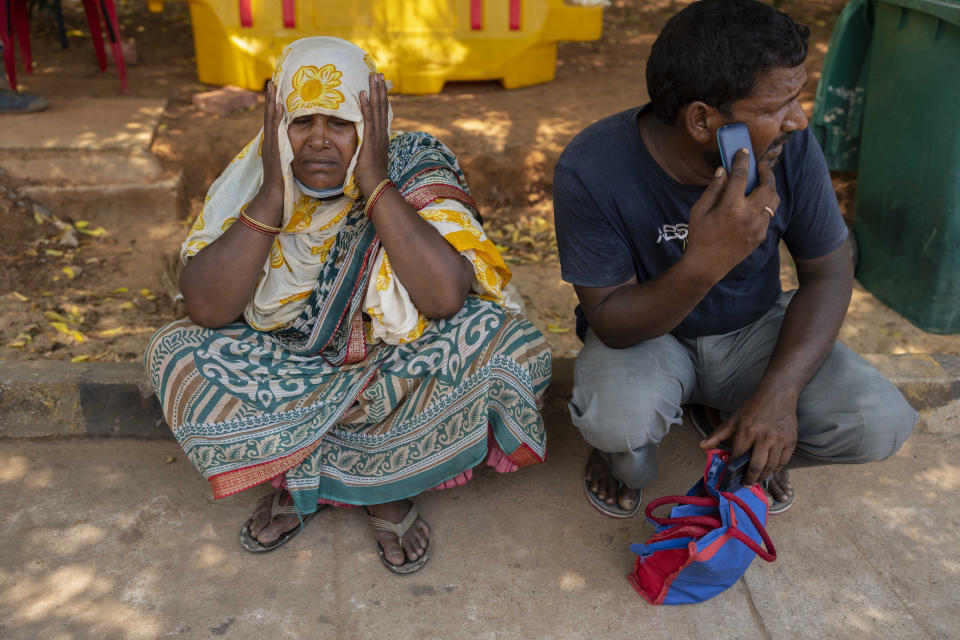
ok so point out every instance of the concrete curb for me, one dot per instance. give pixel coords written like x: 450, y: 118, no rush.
x: 53, y: 398
x: 930, y: 383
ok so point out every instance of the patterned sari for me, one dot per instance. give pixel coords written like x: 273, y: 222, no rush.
x: 344, y: 417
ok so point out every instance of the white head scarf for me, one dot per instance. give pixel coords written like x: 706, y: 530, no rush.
x: 321, y: 75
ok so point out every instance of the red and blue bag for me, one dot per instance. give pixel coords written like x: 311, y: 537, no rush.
x: 706, y: 543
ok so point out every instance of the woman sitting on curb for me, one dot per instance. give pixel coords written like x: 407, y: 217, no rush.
x: 377, y: 355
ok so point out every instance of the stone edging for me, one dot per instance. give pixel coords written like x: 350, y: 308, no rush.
x: 54, y: 398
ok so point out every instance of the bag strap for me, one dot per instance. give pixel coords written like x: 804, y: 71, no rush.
x: 706, y: 521
x: 770, y: 553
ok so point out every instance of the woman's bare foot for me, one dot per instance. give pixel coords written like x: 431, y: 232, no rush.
x: 604, y: 485
x: 414, y: 542
x: 265, y: 530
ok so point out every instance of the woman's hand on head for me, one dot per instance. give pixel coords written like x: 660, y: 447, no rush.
x: 371, y: 167
x: 273, y: 113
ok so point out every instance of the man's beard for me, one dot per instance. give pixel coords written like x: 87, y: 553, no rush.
x: 779, y: 141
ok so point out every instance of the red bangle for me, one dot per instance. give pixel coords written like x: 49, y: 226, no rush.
x: 259, y: 227
x: 372, y: 201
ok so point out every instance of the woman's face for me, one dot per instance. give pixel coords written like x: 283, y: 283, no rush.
x: 322, y: 149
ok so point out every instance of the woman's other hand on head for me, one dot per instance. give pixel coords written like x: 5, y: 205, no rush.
x: 371, y: 167
x: 273, y: 114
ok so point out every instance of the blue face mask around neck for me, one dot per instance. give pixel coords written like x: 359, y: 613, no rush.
x: 322, y: 194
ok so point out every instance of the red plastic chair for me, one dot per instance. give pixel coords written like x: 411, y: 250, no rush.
x: 13, y: 25
x: 14, y: 20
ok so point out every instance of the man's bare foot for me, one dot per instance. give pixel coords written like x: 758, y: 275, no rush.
x: 605, y: 486
x: 265, y: 530
x: 414, y: 542
x: 779, y: 492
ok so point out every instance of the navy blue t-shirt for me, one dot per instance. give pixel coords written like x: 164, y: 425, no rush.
x: 617, y: 215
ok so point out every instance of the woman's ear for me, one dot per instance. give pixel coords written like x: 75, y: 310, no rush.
x: 700, y: 120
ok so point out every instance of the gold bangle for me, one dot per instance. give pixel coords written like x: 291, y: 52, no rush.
x: 385, y: 184
x: 260, y: 225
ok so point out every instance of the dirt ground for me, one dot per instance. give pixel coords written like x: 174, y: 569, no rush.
x: 95, y: 289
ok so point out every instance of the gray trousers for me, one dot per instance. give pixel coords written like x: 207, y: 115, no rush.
x: 625, y: 400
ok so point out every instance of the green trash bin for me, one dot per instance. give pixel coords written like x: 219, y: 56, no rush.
x: 838, y: 106
x: 907, y: 214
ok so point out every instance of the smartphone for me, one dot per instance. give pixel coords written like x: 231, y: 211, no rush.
x: 731, y: 138
x: 733, y: 475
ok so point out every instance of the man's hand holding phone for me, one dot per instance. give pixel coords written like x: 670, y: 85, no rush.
x: 726, y: 225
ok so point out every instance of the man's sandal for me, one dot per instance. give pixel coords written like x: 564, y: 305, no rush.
x: 399, y: 530
x: 612, y: 510
x: 251, y: 544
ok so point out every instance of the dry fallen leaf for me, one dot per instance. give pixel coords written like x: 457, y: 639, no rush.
x: 74, y: 315
x: 22, y: 340
x: 64, y: 329
x: 20, y: 297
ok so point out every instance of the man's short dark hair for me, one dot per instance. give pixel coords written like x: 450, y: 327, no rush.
x: 714, y: 51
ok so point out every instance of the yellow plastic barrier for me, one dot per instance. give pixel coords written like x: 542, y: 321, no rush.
x: 418, y: 44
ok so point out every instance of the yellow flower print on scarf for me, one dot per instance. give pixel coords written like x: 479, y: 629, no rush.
x: 276, y: 256
x: 243, y: 152
x: 302, y: 214
x: 313, y: 87
x: 450, y: 216
x: 198, y: 224
x: 386, y: 273
x: 417, y: 331
x: 352, y: 190
x: 323, y: 250
x: 297, y: 296
x: 194, y: 247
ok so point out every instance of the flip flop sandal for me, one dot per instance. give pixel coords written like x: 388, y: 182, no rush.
x: 611, y: 510
x: 777, y: 507
x: 399, y: 530
x: 251, y: 544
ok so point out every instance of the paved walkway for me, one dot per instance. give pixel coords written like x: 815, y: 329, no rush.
x: 105, y: 539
